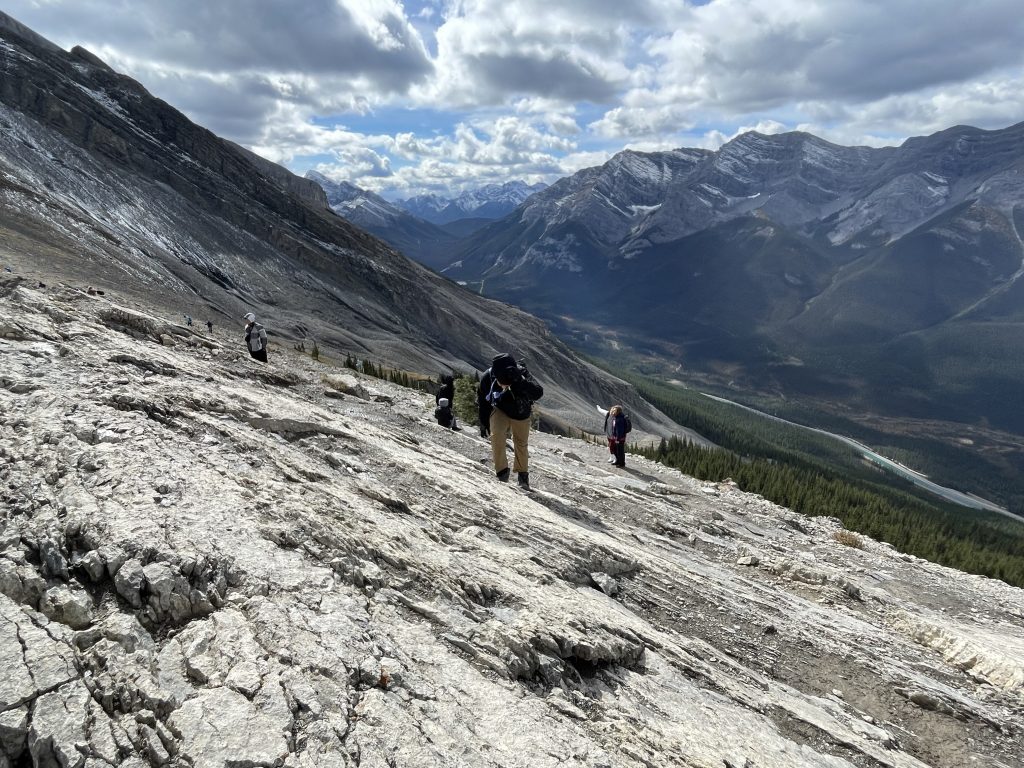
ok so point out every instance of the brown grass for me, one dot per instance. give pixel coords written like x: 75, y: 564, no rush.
x: 849, y: 539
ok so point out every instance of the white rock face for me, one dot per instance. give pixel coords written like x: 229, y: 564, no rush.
x: 276, y: 577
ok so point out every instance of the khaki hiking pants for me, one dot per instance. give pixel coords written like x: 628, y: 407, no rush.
x: 501, y: 425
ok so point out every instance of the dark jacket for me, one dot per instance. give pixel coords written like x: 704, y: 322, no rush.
x: 444, y: 416
x: 447, y: 391
x: 617, y: 428
x: 516, y: 402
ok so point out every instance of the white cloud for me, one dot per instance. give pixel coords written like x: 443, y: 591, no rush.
x: 501, y: 89
x: 748, y: 55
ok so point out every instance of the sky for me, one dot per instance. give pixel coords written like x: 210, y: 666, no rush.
x: 443, y: 96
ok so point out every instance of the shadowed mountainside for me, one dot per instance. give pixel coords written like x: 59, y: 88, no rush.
x: 887, y: 279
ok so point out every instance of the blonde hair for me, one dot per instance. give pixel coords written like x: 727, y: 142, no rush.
x: 615, y: 410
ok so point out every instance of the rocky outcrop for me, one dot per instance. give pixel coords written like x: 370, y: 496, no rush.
x: 256, y: 575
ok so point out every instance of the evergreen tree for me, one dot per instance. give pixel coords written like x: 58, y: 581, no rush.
x: 465, y: 407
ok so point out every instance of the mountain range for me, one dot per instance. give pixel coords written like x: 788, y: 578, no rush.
x: 427, y: 227
x: 103, y: 184
x: 208, y: 562
x: 490, y: 201
x: 886, y: 278
x: 405, y: 232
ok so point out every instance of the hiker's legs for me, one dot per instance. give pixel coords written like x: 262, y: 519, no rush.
x: 499, y: 429
x: 620, y: 454
x: 520, y: 436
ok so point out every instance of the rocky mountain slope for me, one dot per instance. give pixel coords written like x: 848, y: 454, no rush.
x: 888, y: 277
x: 102, y: 184
x: 207, y: 562
x: 491, y: 201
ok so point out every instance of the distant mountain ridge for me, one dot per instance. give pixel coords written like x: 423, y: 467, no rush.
x: 102, y: 184
x: 427, y: 243
x: 491, y: 201
x: 890, y: 276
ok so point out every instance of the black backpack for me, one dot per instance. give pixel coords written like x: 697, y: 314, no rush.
x: 629, y: 424
x: 518, y: 404
x: 505, y: 368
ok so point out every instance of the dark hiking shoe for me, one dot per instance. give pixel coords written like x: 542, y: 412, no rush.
x: 524, y: 480
x: 504, y: 474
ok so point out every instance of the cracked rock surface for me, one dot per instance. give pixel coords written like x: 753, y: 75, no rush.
x: 208, y: 562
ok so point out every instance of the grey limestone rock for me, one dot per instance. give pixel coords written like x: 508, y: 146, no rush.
x: 54, y: 565
x: 92, y: 564
x: 605, y: 583
x: 129, y: 580
x: 281, y: 610
x: 71, y: 607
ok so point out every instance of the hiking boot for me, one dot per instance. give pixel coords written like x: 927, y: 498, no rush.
x: 503, y: 475
x: 524, y: 480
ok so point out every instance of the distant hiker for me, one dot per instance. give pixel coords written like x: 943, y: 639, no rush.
x: 443, y: 414
x: 616, y: 429
x: 188, y: 320
x: 255, y: 338
x: 447, y: 392
x: 91, y: 291
x: 209, y: 326
x: 505, y: 398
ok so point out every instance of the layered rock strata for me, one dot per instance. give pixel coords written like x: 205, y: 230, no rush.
x: 205, y: 561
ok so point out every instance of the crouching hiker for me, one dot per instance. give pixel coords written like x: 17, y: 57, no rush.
x: 443, y: 414
x: 505, y: 398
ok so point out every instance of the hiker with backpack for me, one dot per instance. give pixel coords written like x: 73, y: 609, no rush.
x: 447, y: 390
x: 443, y: 414
x: 505, y: 398
x: 255, y: 338
x: 445, y: 397
x: 616, y: 426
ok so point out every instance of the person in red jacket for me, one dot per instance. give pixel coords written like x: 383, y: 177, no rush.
x: 617, y: 434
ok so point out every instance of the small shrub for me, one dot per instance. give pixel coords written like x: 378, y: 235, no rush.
x: 465, y: 406
x: 849, y: 539
x: 315, y: 353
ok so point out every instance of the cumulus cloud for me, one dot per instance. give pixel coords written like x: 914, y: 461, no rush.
x: 492, y: 50
x: 748, y: 55
x: 531, y: 89
x: 230, y: 61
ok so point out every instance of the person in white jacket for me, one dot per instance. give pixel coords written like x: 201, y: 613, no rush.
x: 255, y: 338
